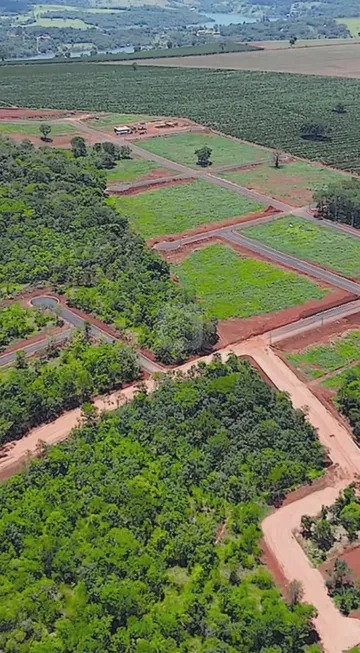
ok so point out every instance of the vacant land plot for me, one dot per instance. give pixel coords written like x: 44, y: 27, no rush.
x: 181, y: 148
x: 175, y: 209
x: 314, y: 362
x: 131, y: 170
x: 230, y: 285
x: 335, y: 381
x: 114, y: 119
x: 310, y: 242
x: 293, y: 182
x: 334, y: 61
x: 34, y: 129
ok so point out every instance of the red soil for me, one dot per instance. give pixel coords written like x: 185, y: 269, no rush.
x: 271, y: 563
x: 203, y: 229
x: 155, y: 186
x: 351, y: 555
x: 13, y: 113
x: 319, y: 335
x: 158, y: 173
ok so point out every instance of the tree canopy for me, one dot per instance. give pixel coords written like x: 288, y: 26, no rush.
x: 141, y: 532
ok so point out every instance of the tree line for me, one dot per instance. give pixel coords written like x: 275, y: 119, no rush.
x: 340, y: 202
x: 58, y: 230
x: 141, y: 532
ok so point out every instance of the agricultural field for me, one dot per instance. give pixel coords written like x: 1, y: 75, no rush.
x: 131, y: 170
x: 268, y: 109
x: 229, y: 285
x: 293, y: 182
x: 319, y: 360
x: 175, y: 209
x: 33, y: 129
x: 333, y: 61
x: 113, y: 119
x: 181, y: 149
x: 310, y: 242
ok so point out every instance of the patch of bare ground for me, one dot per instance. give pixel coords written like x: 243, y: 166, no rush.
x: 56, y: 141
x: 158, y: 173
x: 203, y: 229
x: 240, y: 329
x: 320, y: 335
x: 332, y: 61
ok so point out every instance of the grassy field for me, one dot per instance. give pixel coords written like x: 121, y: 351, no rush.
x: 266, y: 108
x: 75, y: 23
x: 317, y: 361
x: 114, y: 119
x: 230, y: 285
x: 181, y: 148
x: 34, y: 129
x: 336, y: 381
x: 130, y: 169
x: 310, y: 242
x: 174, y: 209
x: 293, y: 182
x: 353, y: 25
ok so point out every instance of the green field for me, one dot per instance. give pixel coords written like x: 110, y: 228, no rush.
x: 114, y: 119
x: 353, y: 25
x: 174, y: 209
x: 181, y: 148
x: 131, y: 169
x: 314, y: 362
x: 293, y: 182
x: 75, y: 23
x: 229, y: 285
x: 317, y: 244
x: 34, y: 129
x: 336, y: 381
x: 266, y: 108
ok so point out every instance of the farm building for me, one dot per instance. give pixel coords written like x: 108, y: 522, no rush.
x: 122, y: 130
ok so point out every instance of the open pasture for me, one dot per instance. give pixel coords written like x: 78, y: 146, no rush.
x: 181, y: 149
x: 33, y: 129
x: 310, y: 242
x: 229, y: 285
x: 176, y: 209
x: 293, y: 182
x: 132, y: 170
x: 322, y: 359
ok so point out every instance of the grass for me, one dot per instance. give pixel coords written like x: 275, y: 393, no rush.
x: 336, y: 381
x: 130, y: 169
x: 181, y: 148
x: 353, y: 25
x: 229, y: 285
x: 75, y: 23
x: 293, y: 182
x: 114, y: 119
x: 317, y: 361
x: 34, y: 129
x: 311, y: 242
x: 174, y: 209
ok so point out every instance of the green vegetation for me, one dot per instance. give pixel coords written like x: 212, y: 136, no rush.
x: 114, y: 119
x: 229, y: 285
x: 174, y: 209
x: 186, y: 51
x: 317, y: 361
x: 181, y: 148
x: 267, y: 108
x: 17, y: 323
x: 310, y: 242
x: 33, y: 129
x: 336, y: 381
x: 348, y: 399
x: 111, y: 542
x: 130, y: 170
x: 340, y: 202
x: 37, y: 392
x: 336, y: 524
x: 58, y: 230
x: 292, y: 182
x: 73, y: 23
x: 353, y: 25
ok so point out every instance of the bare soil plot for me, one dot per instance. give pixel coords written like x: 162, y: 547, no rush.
x: 293, y: 182
x: 332, y: 61
x: 181, y: 149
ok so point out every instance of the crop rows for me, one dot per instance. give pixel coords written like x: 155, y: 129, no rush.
x: 266, y: 108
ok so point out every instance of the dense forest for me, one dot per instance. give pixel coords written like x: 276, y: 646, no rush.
x: 141, y: 532
x: 58, y: 230
x: 38, y: 391
x: 322, y: 535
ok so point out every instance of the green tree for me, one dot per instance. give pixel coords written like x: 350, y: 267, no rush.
x: 45, y: 131
x: 203, y: 156
x: 78, y: 146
